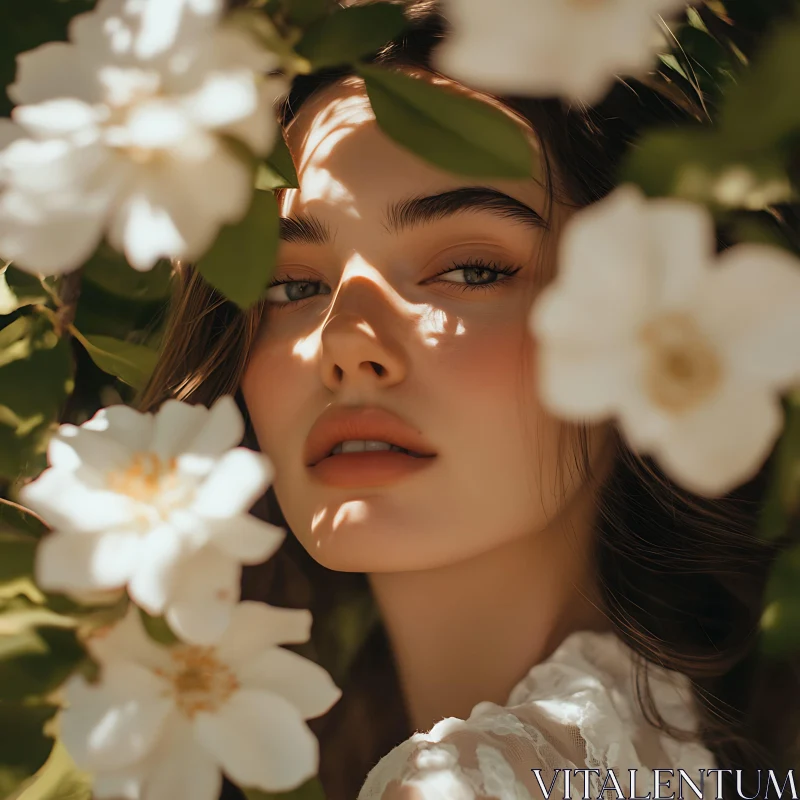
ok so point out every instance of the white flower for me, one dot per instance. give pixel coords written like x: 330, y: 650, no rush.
x: 160, y: 503
x: 122, y: 131
x: 687, y: 349
x: 163, y: 721
x: 573, y: 48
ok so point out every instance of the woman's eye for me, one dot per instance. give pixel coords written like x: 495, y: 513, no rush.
x: 465, y: 276
x: 477, y: 276
x: 471, y: 275
x: 288, y: 291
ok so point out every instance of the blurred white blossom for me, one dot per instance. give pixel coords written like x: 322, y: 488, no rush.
x: 688, y: 349
x: 123, y: 131
x: 573, y: 48
x: 163, y: 721
x: 157, y: 502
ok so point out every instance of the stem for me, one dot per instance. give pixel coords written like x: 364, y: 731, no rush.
x: 24, y: 510
x: 68, y: 297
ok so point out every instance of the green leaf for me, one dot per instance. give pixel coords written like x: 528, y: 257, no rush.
x: 241, y: 261
x: 36, y: 370
x: 157, y: 628
x: 783, y: 497
x: 310, y: 790
x: 109, y: 270
x: 24, y: 747
x: 780, y: 622
x: 706, y: 63
x: 451, y: 130
x: 704, y: 167
x: 41, y: 660
x: 59, y: 779
x: 673, y: 63
x: 17, y: 554
x: 131, y: 363
x: 18, y: 289
x: 261, y: 26
x: 304, y: 12
x: 763, y: 109
x: 277, y: 171
x: 351, y: 33
x: 22, y: 447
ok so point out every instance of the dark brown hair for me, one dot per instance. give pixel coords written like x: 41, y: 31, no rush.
x: 682, y: 577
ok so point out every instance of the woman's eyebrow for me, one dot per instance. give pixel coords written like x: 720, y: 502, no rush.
x: 421, y: 210
x: 425, y: 209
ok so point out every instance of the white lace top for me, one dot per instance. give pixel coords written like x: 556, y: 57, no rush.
x: 575, y: 710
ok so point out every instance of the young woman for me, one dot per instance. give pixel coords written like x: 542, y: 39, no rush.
x: 548, y: 602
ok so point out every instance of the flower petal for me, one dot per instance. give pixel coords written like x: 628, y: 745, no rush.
x: 41, y: 240
x: 752, y: 303
x: 302, y: 682
x: 168, y: 24
x: 182, y: 768
x: 162, y: 556
x: 224, y: 98
x: 144, y: 229
x: 238, y: 479
x: 60, y: 117
x: 172, y: 208
x: 67, y: 562
x: 578, y: 378
x: 205, y: 593
x: 261, y: 741
x: 222, y: 429
x: 725, y: 442
x: 246, y: 538
x: 259, y: 131
x: 125, y: 783
x: 131, y: 428
x: 175, y: 425
x: 602, y: 263
x: 199, y: 214
x: 544, y: 48
x: 55, y: 69
x: 116, y: 722
x: 127, y: 640
x: 682, y: 246
x: 93, y: 447
x: 66, y: 502
x: 255, y: 627
x: 9, y: 132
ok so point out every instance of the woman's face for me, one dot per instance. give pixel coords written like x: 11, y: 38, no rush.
x: 422, y: 314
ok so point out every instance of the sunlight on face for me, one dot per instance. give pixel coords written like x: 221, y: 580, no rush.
x: 441, y: 303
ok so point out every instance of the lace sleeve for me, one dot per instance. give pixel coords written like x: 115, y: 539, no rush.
x: 576, y: 711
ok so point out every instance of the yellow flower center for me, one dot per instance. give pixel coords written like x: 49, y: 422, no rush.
x: 142, y: 155
x: 200, y: 681
x: 146, y: 478
x: 683, y: 368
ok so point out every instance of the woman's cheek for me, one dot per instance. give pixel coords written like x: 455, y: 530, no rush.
x: 488, y: 360
x: 271, y: 393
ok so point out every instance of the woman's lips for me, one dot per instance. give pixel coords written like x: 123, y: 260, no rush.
x: 339, y: 424
x: 367, y: 469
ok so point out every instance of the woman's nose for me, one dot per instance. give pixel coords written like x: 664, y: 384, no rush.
x: 357, y: 352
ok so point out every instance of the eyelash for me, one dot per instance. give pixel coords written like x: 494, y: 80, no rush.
x: 501, y: 269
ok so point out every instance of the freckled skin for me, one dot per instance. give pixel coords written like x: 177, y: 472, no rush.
x: 459, y: 366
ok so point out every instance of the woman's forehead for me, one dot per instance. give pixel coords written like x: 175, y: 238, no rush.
x: 338, y: 149
x: 343, y: 104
